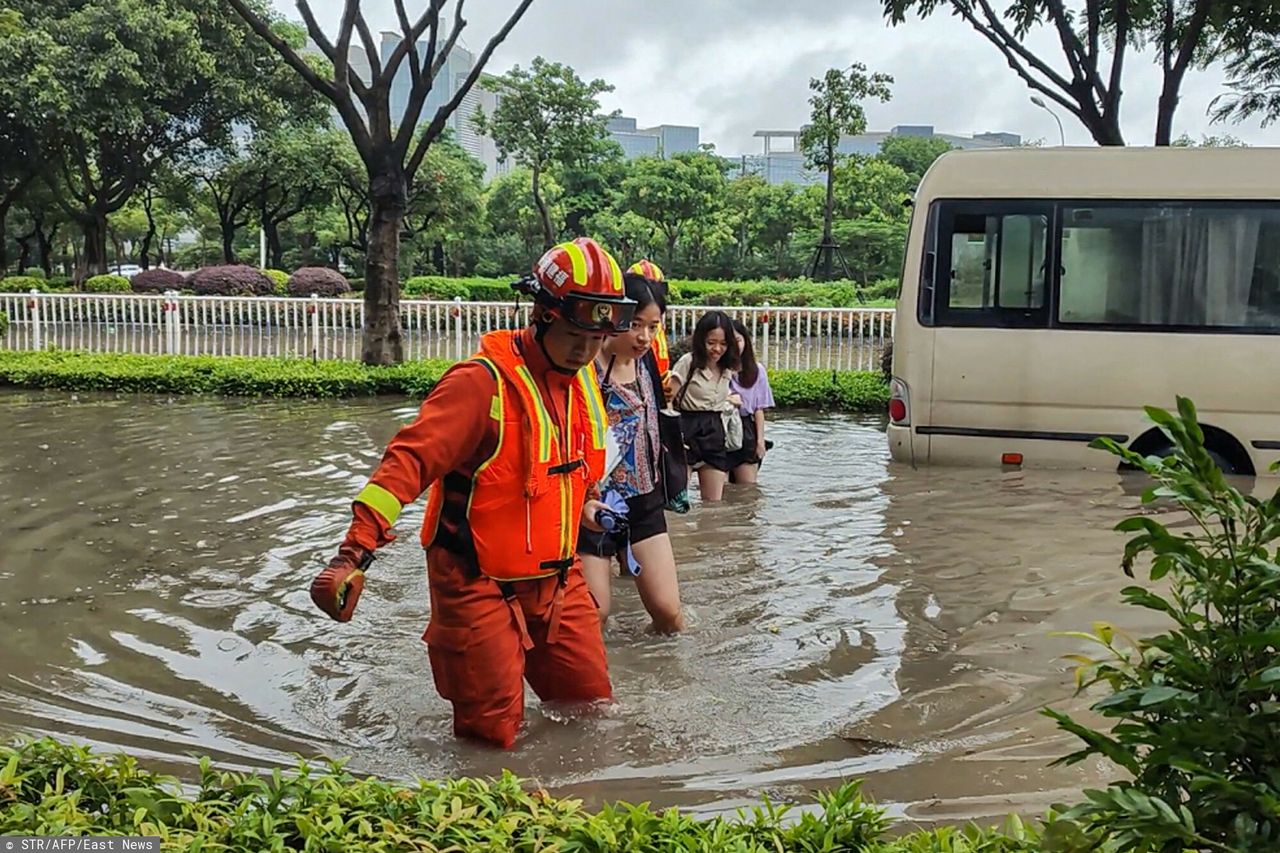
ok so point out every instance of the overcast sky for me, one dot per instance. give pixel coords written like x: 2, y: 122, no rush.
x: 732, y: 67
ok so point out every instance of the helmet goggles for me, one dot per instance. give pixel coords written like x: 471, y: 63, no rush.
x: 589, y: 313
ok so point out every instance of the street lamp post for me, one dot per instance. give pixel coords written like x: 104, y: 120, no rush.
x: 1039, y: 102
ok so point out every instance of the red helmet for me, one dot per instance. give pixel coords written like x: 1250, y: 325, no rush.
x: 582, y: 283
x: 648, y: 269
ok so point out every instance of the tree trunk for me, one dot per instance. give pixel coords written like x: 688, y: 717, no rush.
x: 275, y: 252
x: 228, y: 228
x: 1167, y: 106
x: 24, y: 253
x: 543, y: 214
x: 144, y: 259
x: 94, y: 262
x: 382, y: 342
x: 672, y: 236
x: 828, y: 214
x: 4, y: 239
x: 46, y: 247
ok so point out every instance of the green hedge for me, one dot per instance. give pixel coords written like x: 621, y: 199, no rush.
x: 50, y: 788
x: 799, y: 292
x: 272, y: 377
x: 23, y: 284
x: 4, y: 322
x: 107, y: 284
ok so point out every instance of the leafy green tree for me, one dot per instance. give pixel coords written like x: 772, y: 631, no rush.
x: 913, y: 154
x: 675, y: 192
x: 112, y: 89
x: 447, y: 199
x: 390, y: 147
x: 546, y: 116
x: 593, y: 186
x: 289, y: 170
x: 509, y: 209
x: 837, y: 112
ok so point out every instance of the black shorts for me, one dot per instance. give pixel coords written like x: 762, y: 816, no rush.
x: 645, y: 519
x: 704, y: 438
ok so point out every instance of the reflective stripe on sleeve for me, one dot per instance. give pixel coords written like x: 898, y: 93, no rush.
x: 380, y: 501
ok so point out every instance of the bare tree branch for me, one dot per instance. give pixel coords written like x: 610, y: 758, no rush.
x: 1012, y: 49
x: 370, y: 48
x: 998, y: 34
x: 1112, y: 106
x: 287, y: 53
x: 442, y: 114
x: 408, y: 43
x: 342, y: 51
x: 415, y: 64
x: 422, y: 86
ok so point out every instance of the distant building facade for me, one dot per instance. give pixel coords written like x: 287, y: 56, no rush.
x: 664, y: 140
x: 787, y: 164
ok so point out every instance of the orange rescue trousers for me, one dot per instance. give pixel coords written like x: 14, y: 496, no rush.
x: 483, y: 646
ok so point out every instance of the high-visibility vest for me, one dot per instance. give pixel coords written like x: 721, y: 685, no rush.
x: 517, y: 515
x: 660, y: 352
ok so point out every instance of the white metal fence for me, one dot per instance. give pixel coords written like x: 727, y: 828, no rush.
x: 786, y: 338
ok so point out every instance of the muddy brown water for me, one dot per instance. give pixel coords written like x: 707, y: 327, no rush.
x: 850, y: 618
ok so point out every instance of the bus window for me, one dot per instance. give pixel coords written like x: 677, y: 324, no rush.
x: 1188, y: 266
x: 991, y: 269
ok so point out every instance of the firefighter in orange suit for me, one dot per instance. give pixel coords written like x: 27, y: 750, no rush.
x: 648, y: 269
x: 512, y: 444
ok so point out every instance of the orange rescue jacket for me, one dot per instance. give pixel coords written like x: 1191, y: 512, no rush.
x: 517, y: 514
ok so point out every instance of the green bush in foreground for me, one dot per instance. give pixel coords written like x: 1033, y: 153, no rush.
x: 51, y: 788
x: 273, y: 377
x: 1196, y: 708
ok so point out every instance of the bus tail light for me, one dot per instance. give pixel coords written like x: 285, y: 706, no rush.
x: 1011, y: 459
x: 899, y: 403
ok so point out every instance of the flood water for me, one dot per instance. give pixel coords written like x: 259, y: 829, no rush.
x: 851, y: 618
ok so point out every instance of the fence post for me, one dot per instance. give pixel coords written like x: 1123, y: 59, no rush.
x: 313, y: 312
x: 764, y: 321
x: 37, y: 339
x: 458, y: 354
x: 170, y: 311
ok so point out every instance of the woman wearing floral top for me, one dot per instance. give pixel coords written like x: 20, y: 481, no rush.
x: 633, y: 397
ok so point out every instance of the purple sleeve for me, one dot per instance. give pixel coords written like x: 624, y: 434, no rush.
x: 758, y: 396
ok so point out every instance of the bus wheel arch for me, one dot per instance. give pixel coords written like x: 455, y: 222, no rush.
x: 1225, y: 449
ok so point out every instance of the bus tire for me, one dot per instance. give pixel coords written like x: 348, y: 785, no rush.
x: 1223, y: 448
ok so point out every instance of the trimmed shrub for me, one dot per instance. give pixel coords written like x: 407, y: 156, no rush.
x: 157, y: 280
x: 33, y: 272
x: 107, y: 284
x: 437, y: 287
x: 321, y: 281
x: 229, y: 280
x: 274, y: 377
x: 60, y: 283
x: 55, y: 788
x: 4, y: 322
x: 279, y: 281
x: 357, y: 285
x: 22, y: 284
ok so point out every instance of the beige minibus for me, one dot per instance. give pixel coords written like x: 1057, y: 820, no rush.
x: 1049, y: 294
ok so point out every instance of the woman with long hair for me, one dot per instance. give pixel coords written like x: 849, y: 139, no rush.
x: 751, y: 384
x: 700, y: 392
x: 631, y: 388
